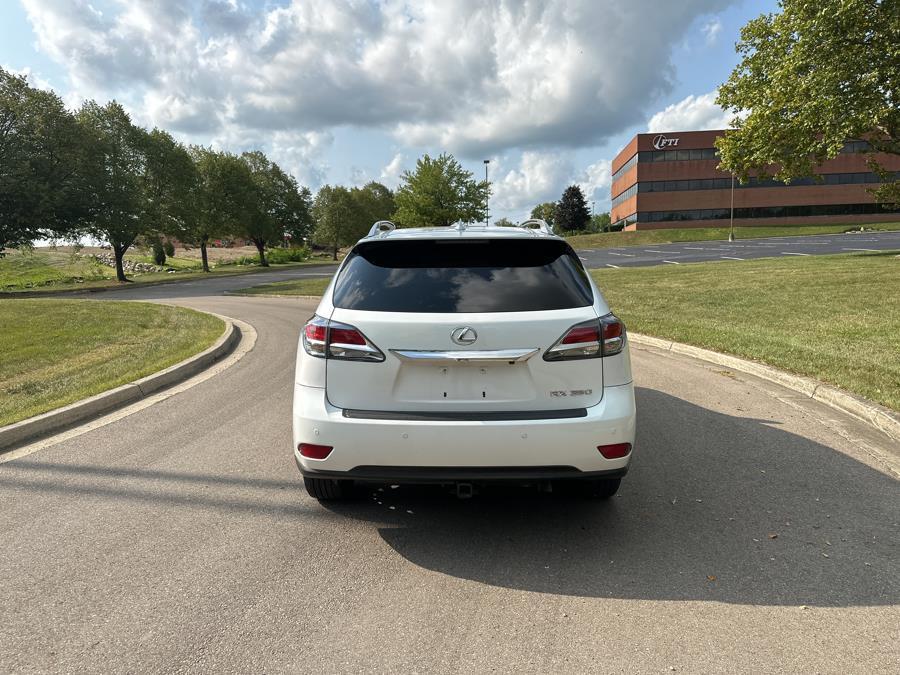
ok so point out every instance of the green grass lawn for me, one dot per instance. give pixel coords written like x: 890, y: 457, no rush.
x: 834, y: 318
x: 293, y: 287
x: 56, y: 352
x: 43, y: 270
x: 644, y: 237
x: 34, y: 269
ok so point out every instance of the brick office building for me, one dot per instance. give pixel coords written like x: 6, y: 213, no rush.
x: 670, y: 180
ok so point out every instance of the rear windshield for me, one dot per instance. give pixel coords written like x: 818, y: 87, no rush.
x: 462, y: 275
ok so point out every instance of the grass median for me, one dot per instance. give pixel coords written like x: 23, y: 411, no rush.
x: 834, y: 318
x: 56, y: 352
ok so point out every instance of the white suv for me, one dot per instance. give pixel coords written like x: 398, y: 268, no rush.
x: 463, y: 356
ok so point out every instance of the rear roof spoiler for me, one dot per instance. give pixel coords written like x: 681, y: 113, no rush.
x: 536, y: 224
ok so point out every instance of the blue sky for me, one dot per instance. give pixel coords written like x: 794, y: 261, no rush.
x: 356, y: 90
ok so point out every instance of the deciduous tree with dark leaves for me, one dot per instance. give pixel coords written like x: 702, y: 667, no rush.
x: 812, y: 76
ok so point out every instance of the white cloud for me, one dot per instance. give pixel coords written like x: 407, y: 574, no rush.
x: 692, y: 113
x: 391, y: 173
x: 539, y: 177
x: 476, y: 77
x: 595, y: 180
x: 711, y: 30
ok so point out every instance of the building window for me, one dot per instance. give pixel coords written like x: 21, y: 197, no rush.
x: 627, y: 165
x: 764, y: 212
x: 630, y: 192
x: 753, y: 182
x: 677, y: 155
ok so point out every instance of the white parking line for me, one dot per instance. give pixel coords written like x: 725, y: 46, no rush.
x: 615, y: 267
x: 729, y: 257
x: 647, y: 250
x: 784, y: 253
x: 873, y: 250
x: 627, y: 255
x: 694, y: 248
x: 582, y: 258
x: 671, y: 262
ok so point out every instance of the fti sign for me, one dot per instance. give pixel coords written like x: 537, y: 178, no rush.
x: 660, y: 142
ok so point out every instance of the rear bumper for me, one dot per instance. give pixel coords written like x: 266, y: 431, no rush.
x: 451, y: 450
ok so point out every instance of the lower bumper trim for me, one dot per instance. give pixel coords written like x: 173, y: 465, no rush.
x: 452, y: 474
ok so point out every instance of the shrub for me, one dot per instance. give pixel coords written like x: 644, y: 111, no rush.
x: 280, y: 256
x: 159, y: 254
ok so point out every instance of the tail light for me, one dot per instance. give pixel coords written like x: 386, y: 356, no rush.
x: 588, y: 340
x: 334, y: 340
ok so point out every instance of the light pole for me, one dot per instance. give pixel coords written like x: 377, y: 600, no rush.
x: 731, y: 232
x: 592, y: 214
x: 487, y: 203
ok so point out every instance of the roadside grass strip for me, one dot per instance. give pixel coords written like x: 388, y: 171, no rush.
x: 693, y: 234
x: 314, y: 287
x: 56, y: 352
x: 835, y: 318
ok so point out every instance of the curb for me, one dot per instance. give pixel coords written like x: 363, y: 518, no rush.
x: 271, y: 295
x: 81, y: 411
x: 878, y: 416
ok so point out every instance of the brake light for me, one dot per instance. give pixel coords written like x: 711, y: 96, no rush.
x: 334, y: 340
x: 589, y: 339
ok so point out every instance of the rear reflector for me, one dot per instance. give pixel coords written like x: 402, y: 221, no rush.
x: 615, y: 451
x: 314, y: 451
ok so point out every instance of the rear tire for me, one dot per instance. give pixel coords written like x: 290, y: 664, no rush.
x: 327, y: 489
x: 604, y: 489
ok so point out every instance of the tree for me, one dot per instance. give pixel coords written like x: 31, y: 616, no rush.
x: 216, y: 203
x: 599, y: 222
x: 440, y: 193
x: 811, y: 77
x: 504, y: 222
x: 168, y: 182
x: 41, y: 156
x: 545, y: 212
x: 374, y: 202
x: 572, y: 213
x: 300, y: 227
x: 274, y: 204
x: 333, y: 210
x: 116, y: 170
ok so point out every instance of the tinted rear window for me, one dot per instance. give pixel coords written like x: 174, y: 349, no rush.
x: 462, y: 275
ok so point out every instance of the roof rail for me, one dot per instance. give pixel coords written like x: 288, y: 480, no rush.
x: 382, y: 227
x: 536, y: 224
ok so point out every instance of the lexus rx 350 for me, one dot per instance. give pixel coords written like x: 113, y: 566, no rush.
x: 461, y: 356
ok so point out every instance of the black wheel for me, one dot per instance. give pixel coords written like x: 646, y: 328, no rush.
x: 599, y: 488
x: 604, y: 489
x: 325, y: 489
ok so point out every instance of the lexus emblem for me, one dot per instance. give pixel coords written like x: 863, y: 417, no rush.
x: 464, y: 335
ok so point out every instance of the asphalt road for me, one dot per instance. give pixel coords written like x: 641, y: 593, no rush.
x: 745, y: 249
x: 757, y: 531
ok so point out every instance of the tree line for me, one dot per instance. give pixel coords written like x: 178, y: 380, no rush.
x: 94, y: 172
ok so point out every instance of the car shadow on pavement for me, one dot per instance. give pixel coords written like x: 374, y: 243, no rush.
x: 715, y: 507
